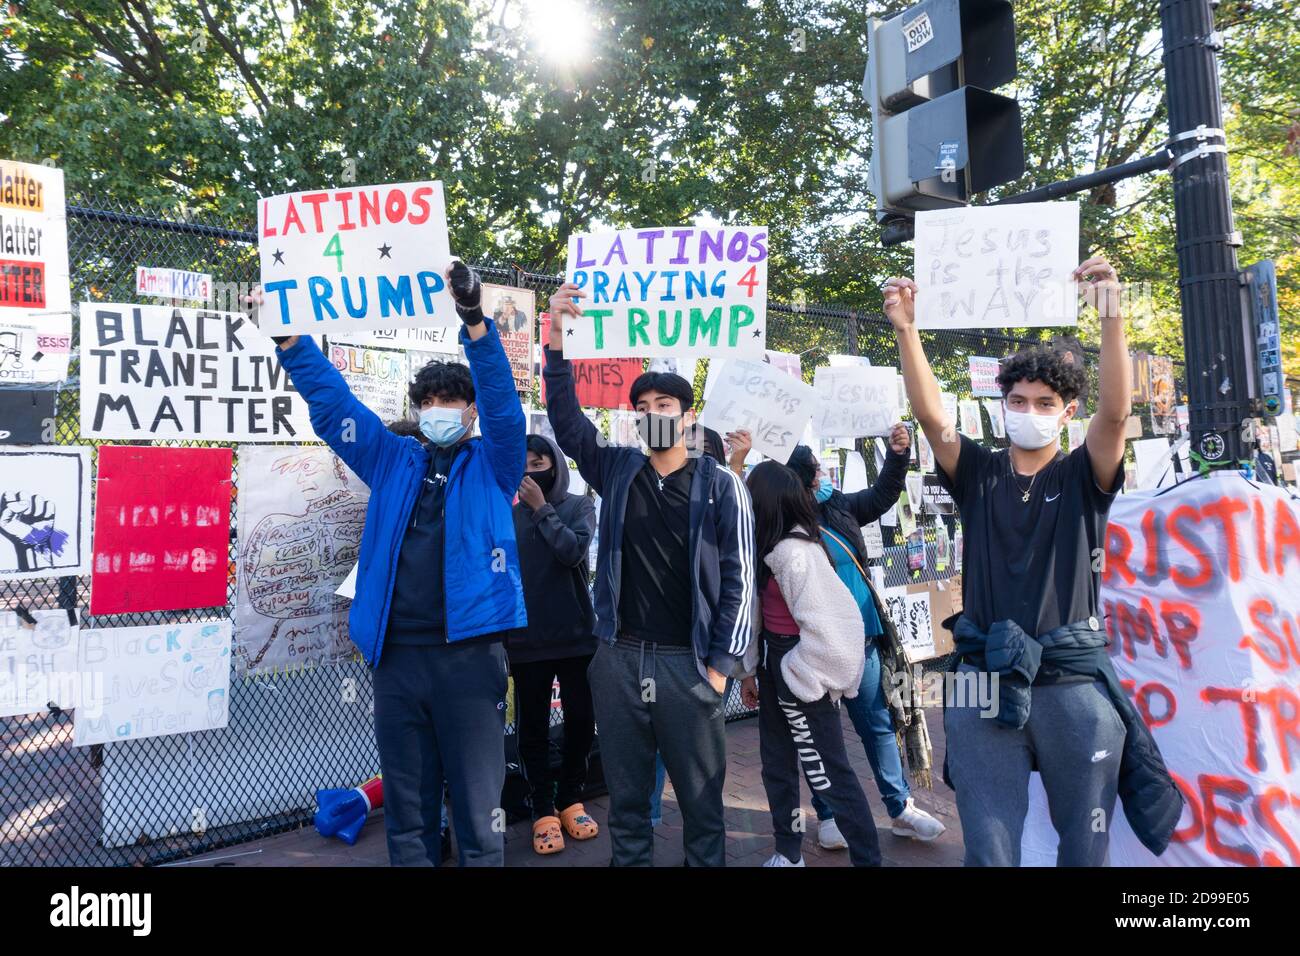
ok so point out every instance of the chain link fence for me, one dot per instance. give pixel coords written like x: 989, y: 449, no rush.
x: 161, y: 799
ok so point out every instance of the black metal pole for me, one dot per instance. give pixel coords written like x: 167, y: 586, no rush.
x: 1102, y: 177
x: 1214, y: 338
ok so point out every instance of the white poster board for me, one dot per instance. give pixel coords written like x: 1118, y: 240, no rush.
x: 38, y: 662
x: 684, y: 291
x: 152, y: 681
x: 773, y: 406
x: 44, y: 511
x: 996, y: 267
x: 157, y: 372
x: 856, y: 401
x: 364, y: 257
x: 377, y: 377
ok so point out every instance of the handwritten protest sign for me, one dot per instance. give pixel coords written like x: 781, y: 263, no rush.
x: 669, y: 291
x: 856, y: 401
x: 33, y: 246
x: 301, y: 512
x: 1200, y: 608
x: 997, y: 266
x: 152, y: 681
x: 162, y: 529
x: 433, y: 338
x: 173, y: 284
x: 44, y: 512
x: 773, y: 406
x: 38, y: 662
x: 377, y: 378
x: 151, y: 371
x: 365, y: 257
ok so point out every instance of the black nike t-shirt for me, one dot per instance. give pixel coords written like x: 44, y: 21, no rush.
x: 1032, y: 561
x: 654, y: 601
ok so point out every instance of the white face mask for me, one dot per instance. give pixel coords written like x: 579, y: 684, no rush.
x: 1031, y: 432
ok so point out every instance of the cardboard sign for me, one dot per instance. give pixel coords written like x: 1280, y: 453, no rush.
x: 669, y: 291
x: 773, y: 406
x: 365, y: 257
x: 153, y: 681
x: 38, y: 662
x: 1199, y: 601
x: 984, y: 376
x: 301, y: 513
x: 33, y: 247
x: 26, y: 416
x: 377, y: 377
x: 856, y: 401
x: 44, y: 512
x: 151, y: 371
x: 512, y: 310
x: 994, y: 267
x: 162, y: 529
x: 36, y: 350
x: 173, y: 284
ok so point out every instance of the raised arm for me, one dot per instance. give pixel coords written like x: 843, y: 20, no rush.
x: 869, y: 504
x: 922, y: 387
x: 1105, y: 439
x: 574, y: 433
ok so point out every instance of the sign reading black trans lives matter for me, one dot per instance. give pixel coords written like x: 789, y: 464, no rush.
x: 367, y: 257
x: 151, y: 371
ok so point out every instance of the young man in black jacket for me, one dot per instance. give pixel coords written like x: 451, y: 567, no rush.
x: 674, y: 592
x: 553, y: 529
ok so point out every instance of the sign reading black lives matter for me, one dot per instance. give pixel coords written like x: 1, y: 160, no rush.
x: 161, y: 373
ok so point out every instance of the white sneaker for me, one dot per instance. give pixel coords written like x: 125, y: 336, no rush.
x: 779, y: 859
x: 829, y: 836
x: 916, y: 823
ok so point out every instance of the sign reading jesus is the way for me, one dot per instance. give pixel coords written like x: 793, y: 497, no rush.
x: 366, y: 257
x: 667, y: 291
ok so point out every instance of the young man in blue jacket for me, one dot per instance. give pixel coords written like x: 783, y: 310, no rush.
x: 674, y: 586
x: 438, y: 581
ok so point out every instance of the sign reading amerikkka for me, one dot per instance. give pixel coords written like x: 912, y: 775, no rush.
x: 173, y: 284
x: 341, y: 260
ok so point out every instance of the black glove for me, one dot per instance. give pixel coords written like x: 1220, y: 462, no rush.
x: 280, y: 339
x: 468, y: 293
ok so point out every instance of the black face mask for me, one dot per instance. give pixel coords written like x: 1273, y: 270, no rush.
x: 545, y: 479
x: 659, y: 432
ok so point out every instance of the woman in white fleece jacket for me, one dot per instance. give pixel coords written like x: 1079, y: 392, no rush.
x: 809, y: 655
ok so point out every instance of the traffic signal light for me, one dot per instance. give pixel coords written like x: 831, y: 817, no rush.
x: 940, y: 134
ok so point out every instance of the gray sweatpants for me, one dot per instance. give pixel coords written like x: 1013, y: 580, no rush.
x: 650, y: 697
x: 1074, y: 738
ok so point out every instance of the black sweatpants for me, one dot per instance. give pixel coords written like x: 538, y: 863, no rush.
x: 533, y: 680
x: 794, y: 736
x: 440, y: 716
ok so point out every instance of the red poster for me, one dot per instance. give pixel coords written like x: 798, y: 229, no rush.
x: 162, y: 529
x: 600, y: 383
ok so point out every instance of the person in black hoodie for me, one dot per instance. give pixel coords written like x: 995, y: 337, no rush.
x: 553, y: 529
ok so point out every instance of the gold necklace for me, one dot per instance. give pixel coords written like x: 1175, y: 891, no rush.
x: 1025, y: 491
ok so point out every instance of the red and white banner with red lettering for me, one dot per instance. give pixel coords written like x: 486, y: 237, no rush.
x: 1201, y: 592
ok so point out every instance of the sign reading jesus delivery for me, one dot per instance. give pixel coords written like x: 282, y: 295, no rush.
x: 342, y: 260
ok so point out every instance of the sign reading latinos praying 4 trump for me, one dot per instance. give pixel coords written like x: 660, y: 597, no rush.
x: 669, y: 292
x: 367, y: 257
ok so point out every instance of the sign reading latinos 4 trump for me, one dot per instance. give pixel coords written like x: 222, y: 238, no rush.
x: 997, y: 267
x: 665, y: 291
x: 366, y: 257
x: 151, y: 371
x: 1204, y: 621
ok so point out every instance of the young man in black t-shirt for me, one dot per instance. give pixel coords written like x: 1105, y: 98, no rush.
x: 673, y: 599
x: 1034, y: 521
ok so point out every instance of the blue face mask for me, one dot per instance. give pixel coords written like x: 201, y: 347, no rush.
x: 442, y: 426
x: 824, y: 489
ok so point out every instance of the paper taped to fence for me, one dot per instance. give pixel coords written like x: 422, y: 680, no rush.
x: 33, y: 246
x: 301, y: 514
x: 152, y: 681
x: 38, y: 662
x: 669, y: 291
x: 997, y: 267
x: 44, y: 512
x: 155, y: 372
x: 365, y: 257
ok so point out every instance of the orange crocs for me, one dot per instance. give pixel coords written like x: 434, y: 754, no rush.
x: 547, y: 837
x: 577, y: 823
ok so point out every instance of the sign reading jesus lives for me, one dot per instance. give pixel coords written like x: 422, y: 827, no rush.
x: 367, y: 257
x: 669, y: 292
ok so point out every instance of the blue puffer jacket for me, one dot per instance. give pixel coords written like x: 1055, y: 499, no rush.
x: 484, y: 592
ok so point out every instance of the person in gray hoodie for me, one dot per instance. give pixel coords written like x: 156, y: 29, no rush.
x: 553, y: 529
